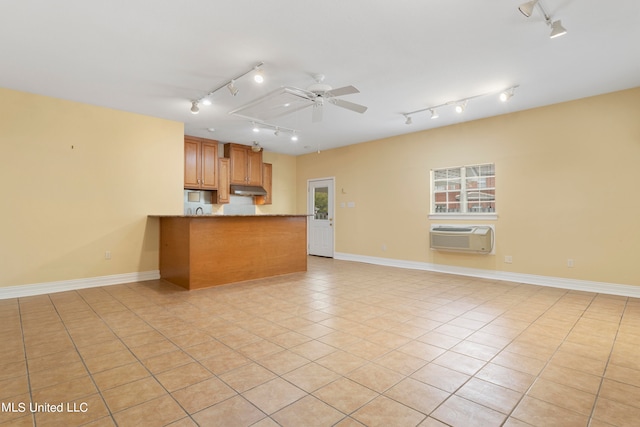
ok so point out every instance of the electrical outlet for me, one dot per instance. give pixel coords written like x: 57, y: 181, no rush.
x: 570, y: 263
x: 508, y: 259
x: 107, y: 255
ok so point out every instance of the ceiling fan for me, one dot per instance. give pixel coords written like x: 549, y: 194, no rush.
x: 288, y: 99
x: 319, y: 92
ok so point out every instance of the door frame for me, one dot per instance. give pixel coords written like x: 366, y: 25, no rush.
x: 332, y: 213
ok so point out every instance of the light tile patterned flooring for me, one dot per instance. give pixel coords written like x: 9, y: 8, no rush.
x: 343, y: 344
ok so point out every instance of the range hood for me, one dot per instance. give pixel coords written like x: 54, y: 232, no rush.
x: 248, y: 190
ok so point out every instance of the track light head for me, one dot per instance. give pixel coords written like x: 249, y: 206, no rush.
x: 276, y: 132
x: 258, y: 77
x: 256, y: 129
x: 408, y: 119
x: 232, y: 88
x: 527, y: 8
x: 206, y: 101
x: 557, y: 29
x: 194, y: 107
x: 460, y: 107
x: 507, y: 94
x: 294, y: 137
x: 434, y: 113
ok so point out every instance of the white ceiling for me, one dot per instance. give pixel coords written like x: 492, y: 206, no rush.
x: 154, y: 56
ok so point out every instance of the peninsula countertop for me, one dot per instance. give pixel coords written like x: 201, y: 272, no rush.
x: 199, y: 251
x: 229, y: 216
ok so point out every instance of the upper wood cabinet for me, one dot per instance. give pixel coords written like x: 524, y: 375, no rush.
x: 246, y: 164
x: 200, y: 163
x: 222, y: 195
x: 267, y: 176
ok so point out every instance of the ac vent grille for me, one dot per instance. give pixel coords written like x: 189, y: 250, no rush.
x: 476, y: 239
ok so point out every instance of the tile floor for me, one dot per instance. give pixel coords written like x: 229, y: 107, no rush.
x: 344, y: 344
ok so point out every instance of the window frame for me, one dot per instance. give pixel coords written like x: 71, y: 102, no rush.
x: 464, y: 214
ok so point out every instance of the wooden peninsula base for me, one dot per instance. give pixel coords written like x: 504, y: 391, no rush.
x: 202, y: 251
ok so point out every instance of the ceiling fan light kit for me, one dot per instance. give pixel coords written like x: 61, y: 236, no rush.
x: 557, y: 29
x: 289, y: 99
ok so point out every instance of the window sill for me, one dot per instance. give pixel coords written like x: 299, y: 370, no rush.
x: 465, y: 216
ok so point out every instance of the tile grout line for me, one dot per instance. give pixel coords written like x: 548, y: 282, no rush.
x: 26, y: 358
x: 606, y: 367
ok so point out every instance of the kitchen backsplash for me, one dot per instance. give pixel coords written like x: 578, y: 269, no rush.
x: 199, y: 203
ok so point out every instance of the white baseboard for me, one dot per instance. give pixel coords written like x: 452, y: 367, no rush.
x: 73, y: 284
x: 531, y: 279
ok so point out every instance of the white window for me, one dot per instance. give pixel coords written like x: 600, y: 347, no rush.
x: 464, y: 190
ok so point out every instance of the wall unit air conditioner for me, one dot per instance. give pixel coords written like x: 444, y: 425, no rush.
x: 468, y: 238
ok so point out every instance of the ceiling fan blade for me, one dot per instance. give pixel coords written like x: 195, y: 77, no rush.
x: 316, y: 114
x: 349, y: 105
x: 346, y: 90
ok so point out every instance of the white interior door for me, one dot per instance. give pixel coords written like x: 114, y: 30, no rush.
x: 320, y: 202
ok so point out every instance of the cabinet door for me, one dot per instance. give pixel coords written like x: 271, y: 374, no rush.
x: 191, y: 163
x: 223, y: 181
x: 267, y: 184
x: 209, y: 165
x: 238, y: 156
x: 254, y: 167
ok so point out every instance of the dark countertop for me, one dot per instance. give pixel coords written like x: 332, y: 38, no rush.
x: 228, y: 216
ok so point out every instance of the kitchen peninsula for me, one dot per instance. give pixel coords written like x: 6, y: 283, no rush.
x: 209, y: 250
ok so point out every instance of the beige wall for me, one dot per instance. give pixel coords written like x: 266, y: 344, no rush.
x: 566, y: 188
x: 284, y: 184
x: 77, y: 180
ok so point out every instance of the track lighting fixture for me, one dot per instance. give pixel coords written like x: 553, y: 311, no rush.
x: 459, y: 105
x: 194, y: 107
x: 557, y: 29
x: 230, y: 85
x: 232, y: 88
x: 507, y: 94
x: 258, y: 77
x: 277, y: 130
x: 527, y: 8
